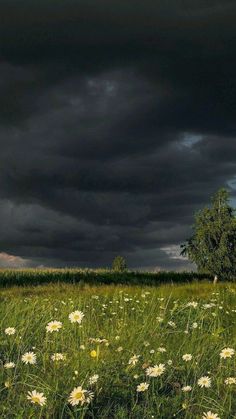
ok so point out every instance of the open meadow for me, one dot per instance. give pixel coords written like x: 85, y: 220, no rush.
x: 118, y: 351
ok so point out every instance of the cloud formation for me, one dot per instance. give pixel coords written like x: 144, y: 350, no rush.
x: 10, y: 261
x: 113, y: 132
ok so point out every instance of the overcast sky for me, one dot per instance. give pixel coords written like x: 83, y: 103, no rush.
x: 117, y: 123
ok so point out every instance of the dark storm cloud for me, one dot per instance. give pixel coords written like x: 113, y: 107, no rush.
x: 117, y: 121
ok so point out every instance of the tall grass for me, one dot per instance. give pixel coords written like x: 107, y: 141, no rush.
x: 9, y: 277
x: 134, y: 320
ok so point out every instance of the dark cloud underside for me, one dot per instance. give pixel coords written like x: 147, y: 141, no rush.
x: 117, y: 122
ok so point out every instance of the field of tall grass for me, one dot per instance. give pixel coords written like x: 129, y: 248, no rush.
x: 28, y: 276
x: 118, y: 351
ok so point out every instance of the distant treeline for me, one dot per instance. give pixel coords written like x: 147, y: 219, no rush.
x: 9, y: 277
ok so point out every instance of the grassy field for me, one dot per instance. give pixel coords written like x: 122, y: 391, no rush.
x: 105, y: 355
x: 9, y: 277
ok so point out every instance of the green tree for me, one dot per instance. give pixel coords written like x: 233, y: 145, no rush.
x: 119, y: 264
x: 212, y: 246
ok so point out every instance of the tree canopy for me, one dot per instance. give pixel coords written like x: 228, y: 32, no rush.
x: 119, y: 264
x: 212, y: 246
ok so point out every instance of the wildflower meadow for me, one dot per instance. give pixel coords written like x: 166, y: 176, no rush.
x: 117, y: 351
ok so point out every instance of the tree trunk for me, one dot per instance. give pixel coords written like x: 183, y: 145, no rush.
x: 215, y: 280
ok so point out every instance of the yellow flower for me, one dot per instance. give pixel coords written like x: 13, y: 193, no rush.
x: 93, y: 353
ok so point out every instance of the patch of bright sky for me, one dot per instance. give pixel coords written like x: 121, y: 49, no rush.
x: 173, y: 251
x: 190, y: 140
x: 232, y: 184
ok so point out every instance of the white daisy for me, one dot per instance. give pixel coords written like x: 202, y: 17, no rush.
x: 36, y: 398
x: 155, y: 371
x: 210, y: 415
x: 76, y: 316
x: 9, y: 365
x: 58, y: 357
x: 204, y: 382
x: 80, y: 396
x: 10, y: 331
x: 29, y: 358
x: 186, y: 389
x: 93, y: 379
x: 133, y: 360
x: 53, y: 326
x: 193, y: 304
x: 187, y: 357
x: 142, y: 387
x: 230, y: 380
x: 227, y: 353
x: 161, y: 349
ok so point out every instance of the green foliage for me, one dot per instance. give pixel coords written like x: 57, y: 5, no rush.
x: 213, y: 243
x: 119, y: 264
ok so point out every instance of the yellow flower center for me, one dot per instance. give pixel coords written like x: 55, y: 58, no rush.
x: 36, y: 399
x: 79, y: 395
